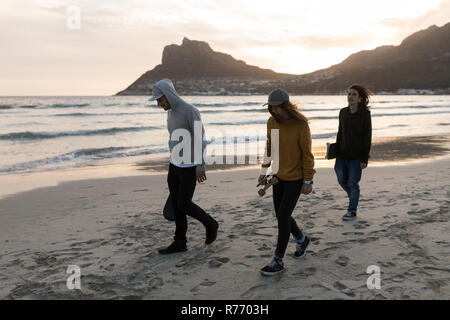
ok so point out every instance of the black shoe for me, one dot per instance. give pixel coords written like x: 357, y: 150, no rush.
x: 301, y: 248
x: 272, y: 268
x: 211, y: 232
x: 173, y: 248
x: 350, y: 215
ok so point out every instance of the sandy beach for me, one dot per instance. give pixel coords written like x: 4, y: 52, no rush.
x: 112, y: 229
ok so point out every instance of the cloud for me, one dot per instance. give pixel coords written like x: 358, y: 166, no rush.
x: 404, y: 27
x: 120, y: 40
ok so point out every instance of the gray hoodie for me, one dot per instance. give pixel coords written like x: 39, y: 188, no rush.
x: 183, y: 115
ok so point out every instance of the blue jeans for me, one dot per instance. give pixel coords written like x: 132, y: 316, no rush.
x: 348, y: 173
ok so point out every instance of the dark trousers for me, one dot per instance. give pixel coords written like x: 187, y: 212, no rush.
x: 285, y: 197
x: 182, y: 183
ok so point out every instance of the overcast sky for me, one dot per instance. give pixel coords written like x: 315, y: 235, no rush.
x: 42, y: 52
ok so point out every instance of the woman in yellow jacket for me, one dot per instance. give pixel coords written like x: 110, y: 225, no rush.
x: 294, y: 170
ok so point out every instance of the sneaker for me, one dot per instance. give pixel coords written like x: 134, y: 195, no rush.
x: 173, y: 248
x: 301, y: 248
x: 349, y: 216
x: 272, y: 268
x: 211, y: 233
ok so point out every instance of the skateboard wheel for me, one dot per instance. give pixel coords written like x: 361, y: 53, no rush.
x: 261, y: 192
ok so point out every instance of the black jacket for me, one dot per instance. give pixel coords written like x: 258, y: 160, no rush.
x: 354, y: 136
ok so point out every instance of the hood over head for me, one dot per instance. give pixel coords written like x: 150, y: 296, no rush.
x: 165, y: 86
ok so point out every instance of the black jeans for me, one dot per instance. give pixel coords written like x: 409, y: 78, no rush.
x: 182, y: 183
x: 285, y: 197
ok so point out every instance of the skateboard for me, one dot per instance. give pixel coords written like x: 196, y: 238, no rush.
x: 169, y: 210
x: 269, y: 182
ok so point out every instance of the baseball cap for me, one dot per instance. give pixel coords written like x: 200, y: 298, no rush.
x: 157, y: 93
x: 277, y: 97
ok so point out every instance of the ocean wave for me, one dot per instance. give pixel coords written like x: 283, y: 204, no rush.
x: 6, y: 106
x: 28, y: 106
x: 393, y: 101
x: 398, y: 126
x: 81, y: 114
x: 410, y: 107
x: 238, y: 123
x: 407, y: 114
x: 229, y: 104
x: 50, y: 135
x: 324, y: 135
x: 254, y: 138
x: 63, y: 105
x: 235, y: 111
x: 82, y: 155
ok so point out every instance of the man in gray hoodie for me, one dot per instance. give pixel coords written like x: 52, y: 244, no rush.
x: 187, y: 165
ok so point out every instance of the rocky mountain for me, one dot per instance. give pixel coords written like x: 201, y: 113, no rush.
x: 195, y: 60
x: 421, y: 61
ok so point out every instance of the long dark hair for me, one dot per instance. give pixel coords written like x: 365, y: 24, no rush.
x: 292, y: 109
x: 364, y: 94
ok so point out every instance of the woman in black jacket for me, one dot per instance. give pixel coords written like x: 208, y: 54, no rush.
x: 353, y: 141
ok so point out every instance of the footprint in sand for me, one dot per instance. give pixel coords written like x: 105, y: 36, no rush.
x: 315, y: 240
x: 251, y: 293
x: 344, y: 289
x: 205, y: 283
x: 306, y: 272
x: 325, y: 253
x: 79, y: 198
x: 367, y: 240
x: 395, y: 291
x: 342, y: 261
x: 155, y: 283
x: 397, y: 278
x: 361, y: 224
x: 264, y: 247
x: 43, y: 259
x: 218, y: 262
x: 352, y: 233
x: 238, y: 227
x: 386, y: 264
x: 331, y: 224
x: 309, y: 225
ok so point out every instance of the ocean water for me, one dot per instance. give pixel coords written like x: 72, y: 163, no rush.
x: 50, y: 133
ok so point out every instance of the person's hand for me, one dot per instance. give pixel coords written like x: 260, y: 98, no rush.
x: 261, y: 180
x: 201, y: 176
x: 306, y: 189
x: 363, y: 165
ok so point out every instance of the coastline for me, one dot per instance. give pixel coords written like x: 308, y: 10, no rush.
x: 386, y: 151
